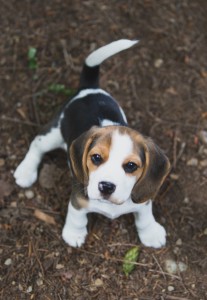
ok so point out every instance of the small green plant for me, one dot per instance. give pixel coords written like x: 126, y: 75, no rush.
x: 32, y: 58
x: 130, y: 259
x: 60, y: 89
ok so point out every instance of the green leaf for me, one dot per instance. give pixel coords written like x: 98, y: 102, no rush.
x: 60, y: 88
x: 130, y: 259
x: 32, y: 58
x: 56, y: 88
x: 32, y: 53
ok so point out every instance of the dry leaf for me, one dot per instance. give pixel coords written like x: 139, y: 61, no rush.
x: 21, y: 112
x: 203, y: 74
x: 44, y: 217
x: 171, y: 91
x: 204, y: 115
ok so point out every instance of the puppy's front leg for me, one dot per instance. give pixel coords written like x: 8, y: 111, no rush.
x: 74, y: 230
x: 151, y: 233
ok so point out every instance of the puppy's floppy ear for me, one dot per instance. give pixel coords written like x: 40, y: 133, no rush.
x: 156, y: 168
x: 78, y: 153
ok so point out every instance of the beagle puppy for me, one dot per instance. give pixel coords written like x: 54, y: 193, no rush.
x: 115, y: 169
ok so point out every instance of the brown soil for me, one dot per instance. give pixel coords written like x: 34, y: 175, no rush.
x: 162, y: 86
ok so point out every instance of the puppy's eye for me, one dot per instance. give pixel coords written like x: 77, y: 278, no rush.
x: 130, y: 167
x: 96, y: 159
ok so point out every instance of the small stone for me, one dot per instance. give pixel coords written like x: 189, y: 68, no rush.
x: 20, y: 195
x: 193, y: 285
x: 29, y: 194
x: 179, y: 242
x: 170, y: 288
x: 12, y: 157
x: 176, y: 250
x: 205, y: 231
x: 186, y: 200
x: 29, y: 289
x: 39, y: 281
x: 203, y: 136
x: 203, y: 163
x: 8, y: 262
x: 170, y: 266
x: 193, y: 162
x: 174, y: 176
x: 182, y: 267
x: 20, y: 287
x: 13, y: 204
x: 13, y: 282
x: 98, y: 282
x: 158, y: 62
x: 59, y: 266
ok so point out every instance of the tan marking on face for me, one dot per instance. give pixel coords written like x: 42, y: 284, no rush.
x: 137, y: 160
x: 102, y: 148
x: 103, y: 144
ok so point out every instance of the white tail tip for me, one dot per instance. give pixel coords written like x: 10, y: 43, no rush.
x: 99, y: 55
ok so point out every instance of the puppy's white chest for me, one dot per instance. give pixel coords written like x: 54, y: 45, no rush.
x: 111, y: 210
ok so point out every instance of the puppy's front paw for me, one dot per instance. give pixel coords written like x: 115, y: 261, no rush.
x: 25, y: 174
x: 74, y: 237
x: 154, y: 235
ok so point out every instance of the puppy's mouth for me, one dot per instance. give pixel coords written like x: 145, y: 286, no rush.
x: 109, y: 200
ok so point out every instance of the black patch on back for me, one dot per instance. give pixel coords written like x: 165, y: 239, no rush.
x: 83, y: 113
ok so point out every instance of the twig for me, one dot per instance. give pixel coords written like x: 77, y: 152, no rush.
x: 67, y: 56
x: 162, y: 272
x: 180, y: 153
x: 38, y: 260
x: 34, y: 106
x: 15, y: 120
x: 165, y: 273
x: 175, y: 140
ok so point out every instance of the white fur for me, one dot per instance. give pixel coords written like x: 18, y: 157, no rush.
x: 107, y: 122
x: 74, y: 230
x: 123, y: 114
x: 151, y: 233
x: 101, y: 54
x: 86, y: 92
x: 112, y: 171
x: 26, y: 172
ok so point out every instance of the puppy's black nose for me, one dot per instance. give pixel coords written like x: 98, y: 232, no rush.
x: 106, y: 188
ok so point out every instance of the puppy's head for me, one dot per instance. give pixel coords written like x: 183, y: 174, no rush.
x: 115, y: 163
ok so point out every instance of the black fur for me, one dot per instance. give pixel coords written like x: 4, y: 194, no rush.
x: 83, y: 113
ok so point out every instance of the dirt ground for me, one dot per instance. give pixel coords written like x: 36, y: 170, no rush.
x: 162, y: 86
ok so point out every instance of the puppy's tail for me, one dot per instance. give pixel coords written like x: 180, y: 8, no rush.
x: 90, y: 73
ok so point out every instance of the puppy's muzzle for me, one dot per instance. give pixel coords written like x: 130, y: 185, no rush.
x: 106, y: 188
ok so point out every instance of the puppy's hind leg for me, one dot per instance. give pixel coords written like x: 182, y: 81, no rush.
x: 26, y: 173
